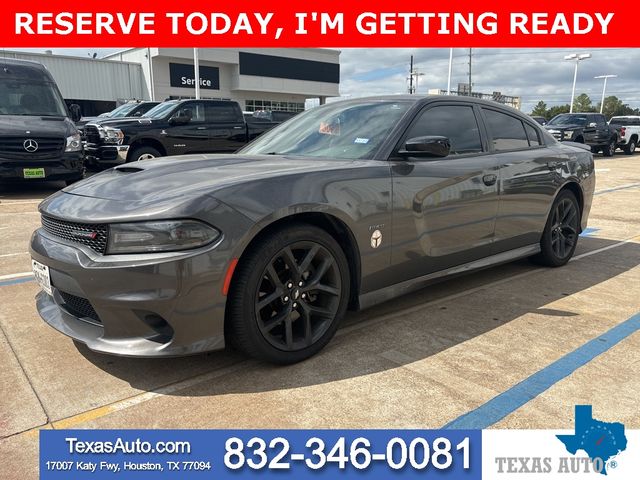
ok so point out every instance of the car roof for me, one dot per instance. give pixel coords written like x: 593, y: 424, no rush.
x: 24, y: 69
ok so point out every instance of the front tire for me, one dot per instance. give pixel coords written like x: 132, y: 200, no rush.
x: 288, y: 295
x: 144, y: 153
x: 560, y: 236
x: 630, y: 147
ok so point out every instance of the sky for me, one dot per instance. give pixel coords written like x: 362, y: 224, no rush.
x: 533, y: 74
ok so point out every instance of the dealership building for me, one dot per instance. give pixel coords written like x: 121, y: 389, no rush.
x: 259, y: 79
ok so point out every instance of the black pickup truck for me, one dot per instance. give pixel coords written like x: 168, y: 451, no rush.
x: 175, y: 127
x: 588, y: 128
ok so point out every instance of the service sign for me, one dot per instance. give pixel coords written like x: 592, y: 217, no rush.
x: 183, y: 76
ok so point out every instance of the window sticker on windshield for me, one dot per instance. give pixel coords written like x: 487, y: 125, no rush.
x: 361, y: 140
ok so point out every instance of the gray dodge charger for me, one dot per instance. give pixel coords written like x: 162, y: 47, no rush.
x: 344, y: 206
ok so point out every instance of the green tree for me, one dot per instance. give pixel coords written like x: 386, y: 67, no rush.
x: 613, y: 106
x: 582, y: 103
x: 557, y: 110
x: 540, y: 109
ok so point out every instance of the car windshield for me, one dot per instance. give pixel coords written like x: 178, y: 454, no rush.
x: 160, y: 110
x: 346, y: 130
x: 123, y: 110
x: 567, y: 119
x: 20, y: 97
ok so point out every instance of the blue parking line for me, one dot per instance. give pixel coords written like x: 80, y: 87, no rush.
x: 507, y: 402
x: 16, y: 281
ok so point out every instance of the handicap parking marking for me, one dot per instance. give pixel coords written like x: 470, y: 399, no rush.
x: 509, y: 401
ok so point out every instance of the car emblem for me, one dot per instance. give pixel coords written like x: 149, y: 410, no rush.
x: 30, y: 145
x: 376, y: 239
x: 82, y: 234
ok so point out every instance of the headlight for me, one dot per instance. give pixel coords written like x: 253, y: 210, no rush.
x: 112, y: 135
x: 568, y: 133
x: 74, y: 144
x: 163, y: 236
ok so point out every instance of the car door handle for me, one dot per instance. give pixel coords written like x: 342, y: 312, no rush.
x: 489, y: 179
x: 201, y: 128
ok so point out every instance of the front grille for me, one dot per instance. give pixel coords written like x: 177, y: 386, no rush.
x: 47, y: 147
x: 91, y: 134
x: 79, y: 307
x: 93, y: 236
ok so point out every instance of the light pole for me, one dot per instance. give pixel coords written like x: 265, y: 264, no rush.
x: 196, y: 71
x: 450, y: 68
x: 578, y: 58
x: 604, y: 87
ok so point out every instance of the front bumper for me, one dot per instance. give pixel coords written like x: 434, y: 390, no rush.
x: 107, y: 155
x: 68, y: 166
x: 152, y: 305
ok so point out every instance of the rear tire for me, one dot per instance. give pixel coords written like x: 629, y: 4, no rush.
x: 144, y: 153
x: 610, y: 149
x: 288, y: 295
x: 560, y: 236
x: 630, y: 147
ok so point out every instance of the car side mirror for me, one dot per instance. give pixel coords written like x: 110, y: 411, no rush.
x: 75, y: 112
x: 180, y: 118
x: 428, y: 146
x: 592, y: 125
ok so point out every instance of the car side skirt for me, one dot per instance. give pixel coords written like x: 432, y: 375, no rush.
x: 378, y: 296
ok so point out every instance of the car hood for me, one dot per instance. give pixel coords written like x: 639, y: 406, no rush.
x: 170, y: 177
x: 37, y: 126
x: 123, y: 122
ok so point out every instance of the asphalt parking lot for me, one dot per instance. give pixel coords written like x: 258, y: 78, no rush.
x: 539, y: 340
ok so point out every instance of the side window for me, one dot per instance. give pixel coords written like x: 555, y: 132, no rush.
x: 223, y: 112
x: 456, y: 122
x: 532, y: 135
x: 507, y: 132
x: 195, y: 110
x: 601, y: 121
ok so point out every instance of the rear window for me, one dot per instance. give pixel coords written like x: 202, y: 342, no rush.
x: 507, y: 132
x: 624, y: 121
x: 224, y: 113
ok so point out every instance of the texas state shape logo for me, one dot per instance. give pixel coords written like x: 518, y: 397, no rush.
x: 600, y: 440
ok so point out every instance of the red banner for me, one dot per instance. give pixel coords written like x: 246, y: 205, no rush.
x: 327, y: 23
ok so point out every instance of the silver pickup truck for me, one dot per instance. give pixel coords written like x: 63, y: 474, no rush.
x: 628, y: 128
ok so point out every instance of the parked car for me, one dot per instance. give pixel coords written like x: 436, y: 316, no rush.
x: 175, y: 127
x: 38, y: 139
x: 130, y: 109
x: 541, y: 120
x: 628, y: 128
x: 346, y: 206
x: 589, y: 128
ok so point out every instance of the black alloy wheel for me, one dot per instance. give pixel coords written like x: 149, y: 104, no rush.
x: 288, y: 295
x: 298, y: 296
x: 560, y: 237
x: 564, y: 230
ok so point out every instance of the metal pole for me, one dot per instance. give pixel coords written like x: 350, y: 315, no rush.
x: 151, y: 82
x: 411, y: 75
x: 604, y: 87
x: 450, y: 68
x: 573, y: 90
x: 196, y: 69
x: 470, y: 54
